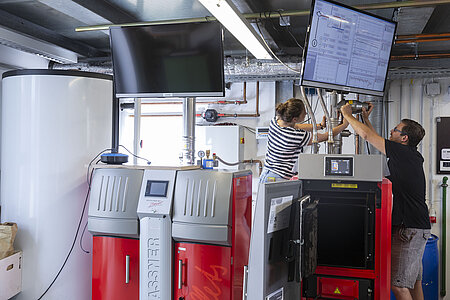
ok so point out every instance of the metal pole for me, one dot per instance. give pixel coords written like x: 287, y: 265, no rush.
x: 443, y: 235
x: 330, y: 141
x: 188, y: 151
x: 137, y: 129
x: 315, y: 143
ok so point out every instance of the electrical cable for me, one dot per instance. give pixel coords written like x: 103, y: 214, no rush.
x: 81, y: 239
x: 287, y: 29
x: 273, y: 54
x: 139, y: 157
x: 89, y: 180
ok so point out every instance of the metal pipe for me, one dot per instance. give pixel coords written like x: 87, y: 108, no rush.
x: 442, y: 39
x: 357, y: 140
x: 420, y: 56
x: 257, y: 98
x: 337, y: 147
x: 444, y: 235
x: 269, y: 15
x: 115, y: 123
x: 422, y: 35
x: 137, y: 129
x: 188, y: 137
x: 330, y: 141
x: 315, y: 142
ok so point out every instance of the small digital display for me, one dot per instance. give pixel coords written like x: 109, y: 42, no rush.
x: 339, y: 166
x: 156, y: 188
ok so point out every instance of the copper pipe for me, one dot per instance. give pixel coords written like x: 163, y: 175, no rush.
x: 420, y: 56
x: 254, y: 161
x: 422, y: 40
x: 422, y: 35
x: 255, y: 115
x: 270, y: 15
x: 244, y: 101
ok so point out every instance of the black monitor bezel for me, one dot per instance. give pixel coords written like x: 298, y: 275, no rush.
x: 345, y: 89
x: 168, y: 94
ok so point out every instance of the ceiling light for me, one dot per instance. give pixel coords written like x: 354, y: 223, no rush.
x: 227, y: 14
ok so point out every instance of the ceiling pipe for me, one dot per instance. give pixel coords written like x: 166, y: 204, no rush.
x: 235, y: 115
x: 269, y: 15
x: 422, y: 35
x: 236, y: 102
x: 420, y: 56
x: 422, y: 40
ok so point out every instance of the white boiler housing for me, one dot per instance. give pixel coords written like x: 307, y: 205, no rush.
x: 53, y: 123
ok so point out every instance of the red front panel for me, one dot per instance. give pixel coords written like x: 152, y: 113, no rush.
x: 205, y: 272
x: 109, y: 268
x: 335, y: 288
x: 383, y: 243
x: 242, y: 218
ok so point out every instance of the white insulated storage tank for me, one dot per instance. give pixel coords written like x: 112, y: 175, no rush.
x: 53, y: 123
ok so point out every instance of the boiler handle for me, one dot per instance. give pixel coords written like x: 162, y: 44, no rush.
x: 180, y: 273
x: 127, y: 269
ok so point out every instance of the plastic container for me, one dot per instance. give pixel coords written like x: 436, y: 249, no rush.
x: 430, y: 262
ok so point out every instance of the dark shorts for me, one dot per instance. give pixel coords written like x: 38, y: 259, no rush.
x: 408, y: 245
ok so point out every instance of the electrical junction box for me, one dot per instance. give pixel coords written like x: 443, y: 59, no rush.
x: 262, y: 133
x: 433, y: 89
x: 225, y: 141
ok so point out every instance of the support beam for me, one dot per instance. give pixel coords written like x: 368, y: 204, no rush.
x: 26, y: 27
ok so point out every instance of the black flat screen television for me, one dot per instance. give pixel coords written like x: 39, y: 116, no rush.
x: 174, y: 60
x: 347, y: 49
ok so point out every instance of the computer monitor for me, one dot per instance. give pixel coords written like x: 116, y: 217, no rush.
x: 347, y: 49
x: 172, y: 60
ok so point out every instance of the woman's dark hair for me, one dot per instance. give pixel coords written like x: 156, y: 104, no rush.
x: 290, y: 109
x: 414, y: 131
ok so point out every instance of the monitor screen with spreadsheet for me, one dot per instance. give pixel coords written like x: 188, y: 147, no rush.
x: 347, y: 49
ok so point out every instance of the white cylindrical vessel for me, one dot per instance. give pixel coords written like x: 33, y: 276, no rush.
x: 53, y: 123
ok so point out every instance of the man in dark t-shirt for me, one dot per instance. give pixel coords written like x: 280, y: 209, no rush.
x: 410, y: 220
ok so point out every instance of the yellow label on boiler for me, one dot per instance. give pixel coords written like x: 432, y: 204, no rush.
x: 337, y: 291
x: 344, y: 185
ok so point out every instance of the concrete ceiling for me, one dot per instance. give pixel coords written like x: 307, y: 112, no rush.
x: 54, y: 22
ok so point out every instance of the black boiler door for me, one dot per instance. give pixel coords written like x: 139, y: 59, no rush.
x: 346, y: 224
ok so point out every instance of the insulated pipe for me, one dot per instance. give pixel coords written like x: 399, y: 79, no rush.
x: 330, y: 141
x: 315, y: 142
x: 188, y: 156
x: 443, y: 235
x: 337, y: 147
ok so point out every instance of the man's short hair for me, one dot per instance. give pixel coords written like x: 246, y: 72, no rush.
x: 414, y: 131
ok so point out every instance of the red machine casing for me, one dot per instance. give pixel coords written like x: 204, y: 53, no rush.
x: 343, y: 287
x: 214, y: 271
x: 109, y: 268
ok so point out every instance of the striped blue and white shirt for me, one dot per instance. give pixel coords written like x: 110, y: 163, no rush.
x: 283, y: 147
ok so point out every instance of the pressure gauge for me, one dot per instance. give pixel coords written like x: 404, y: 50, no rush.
x: 201, y: 153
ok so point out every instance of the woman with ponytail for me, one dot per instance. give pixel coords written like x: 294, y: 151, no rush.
x: 287, y: 137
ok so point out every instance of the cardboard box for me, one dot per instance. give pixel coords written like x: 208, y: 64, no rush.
x: 10, y: 275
